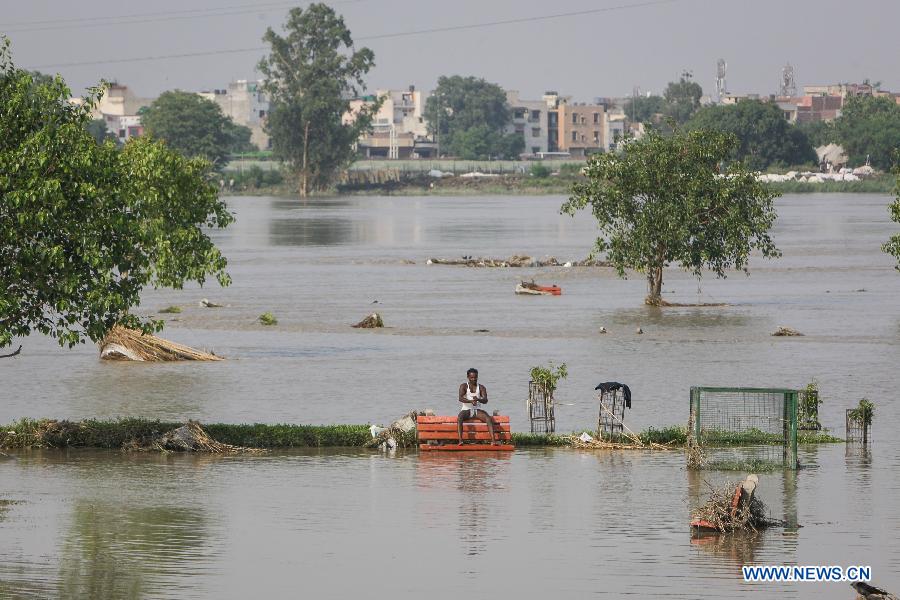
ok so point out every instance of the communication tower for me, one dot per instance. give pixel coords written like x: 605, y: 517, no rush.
x: 721, y: 85
x: 788, y: 87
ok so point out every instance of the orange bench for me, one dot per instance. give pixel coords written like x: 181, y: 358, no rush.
x: 439, y: 433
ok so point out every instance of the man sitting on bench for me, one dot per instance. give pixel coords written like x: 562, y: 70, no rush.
x: 471, y: 394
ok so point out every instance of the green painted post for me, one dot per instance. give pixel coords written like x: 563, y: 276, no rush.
x: 795, y: 396
x: 695, y: 409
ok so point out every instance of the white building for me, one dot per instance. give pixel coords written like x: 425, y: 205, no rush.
x: 399, y: 129
x: 529, y: 121
x: 247, y: 105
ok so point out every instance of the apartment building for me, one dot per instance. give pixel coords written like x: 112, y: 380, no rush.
x: 399, y: 129
x: 119, y: 108
x: 530, y: 121
x: 247, y: 105
x: 578, y: 128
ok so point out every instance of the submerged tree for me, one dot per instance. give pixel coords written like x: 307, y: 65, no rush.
x: 667, y: 200
x: 892, y: 246
x: 310, y: 76
x: 85, y: 226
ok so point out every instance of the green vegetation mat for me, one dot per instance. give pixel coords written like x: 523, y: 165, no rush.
x: 93, y: 433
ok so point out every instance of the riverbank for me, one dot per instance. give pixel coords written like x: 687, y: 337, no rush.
x: 418, y: 184
x: 134, y: 432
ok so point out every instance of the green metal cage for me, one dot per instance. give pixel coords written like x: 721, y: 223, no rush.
x: 759, y: 423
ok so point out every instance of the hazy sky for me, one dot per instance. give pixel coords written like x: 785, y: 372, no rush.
x: 600, y: 54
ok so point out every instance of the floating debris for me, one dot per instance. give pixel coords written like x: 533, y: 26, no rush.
x: 207, y: 304
x: 401, y: 432
x: 371, y: 322
x: 515, y: 260
x: 602, y: 330
x: 129, y: 344
x: 787, y: 331
x: 639, y: 331
x: 733, y: 507
x: 533, y: 289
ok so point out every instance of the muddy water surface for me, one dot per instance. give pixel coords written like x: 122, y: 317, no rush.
x: 539, y: 522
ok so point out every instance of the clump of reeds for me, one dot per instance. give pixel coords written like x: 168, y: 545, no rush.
x: 268, y: 318
x: 171, y: 310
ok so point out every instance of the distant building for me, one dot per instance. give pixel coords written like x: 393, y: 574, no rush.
x: 247, y: 105
x: 119, y: 108
x: 399, y: 129
x: 579, y: 129
x: 841, y: 89
x: 529, y: 121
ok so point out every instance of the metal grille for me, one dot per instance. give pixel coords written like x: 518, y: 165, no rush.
x: 612, y: 413
x: 765, y: 418
x: 540, y: 410
x: 857, y: 432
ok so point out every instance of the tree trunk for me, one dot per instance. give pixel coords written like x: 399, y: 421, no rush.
x: 654, y: 286
x: 304, y: 173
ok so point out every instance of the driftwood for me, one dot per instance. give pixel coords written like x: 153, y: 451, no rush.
x: 128, y: 344
x: 371, y: 322
x: 190, y: 438
x: 515, y: 260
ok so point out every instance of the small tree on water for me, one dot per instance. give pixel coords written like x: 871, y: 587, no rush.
x: 668, y: 199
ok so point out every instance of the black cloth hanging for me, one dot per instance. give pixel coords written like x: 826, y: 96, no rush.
x: 608, y: 386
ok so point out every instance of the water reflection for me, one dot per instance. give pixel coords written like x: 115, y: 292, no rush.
x: 306, y: 231
x: 115, y: 551
x: 472, y: 480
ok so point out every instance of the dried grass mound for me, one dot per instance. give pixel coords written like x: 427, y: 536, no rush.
x: 191, y: 438
x: 371, y: 322
x: 787, y: 331
x: 128, y: 344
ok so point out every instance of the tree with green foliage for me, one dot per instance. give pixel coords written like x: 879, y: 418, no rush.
x: 193, y: 125
x: 764, y: 137
x: 310, y: 75
x: 85, y: 226
x: 869, y: 129
x: 468, y: 116
x: 819, y: 133
x: 239, y: 138
x: 644, y: 109
x: 682, y: 98
x: 98, y: 130
x: 676, y: 199
x: 892, y: 246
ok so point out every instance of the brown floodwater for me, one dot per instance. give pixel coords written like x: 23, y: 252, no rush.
x: 341, y: 523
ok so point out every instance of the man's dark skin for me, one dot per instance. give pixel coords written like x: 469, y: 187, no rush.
x: 480, y: 415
